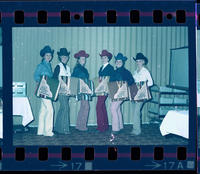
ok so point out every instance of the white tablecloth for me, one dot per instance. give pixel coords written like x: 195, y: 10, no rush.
x: 198, y: 99
x: 176, y: 122
x: 1, y: 124
x: 21, y: 106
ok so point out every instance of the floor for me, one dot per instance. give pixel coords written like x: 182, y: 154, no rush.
x: 150, y: 136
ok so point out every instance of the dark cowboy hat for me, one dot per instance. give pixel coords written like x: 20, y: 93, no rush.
x: 46, y: 49
x: 63, y: 52
x: 140, y: 56
x: 106, y: 53
x: 81, y: 53
x: 120, y: 57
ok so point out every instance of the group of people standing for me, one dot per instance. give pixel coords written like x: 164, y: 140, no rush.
x: 62, y: 124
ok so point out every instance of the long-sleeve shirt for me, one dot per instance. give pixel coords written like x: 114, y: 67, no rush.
x: 44, y: 68
x: 122, y: 74
x: 106, y: 71
x: 143, y: 75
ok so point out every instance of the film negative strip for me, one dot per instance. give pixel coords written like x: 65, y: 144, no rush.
x: 49, y: 47
x: 197, y: 63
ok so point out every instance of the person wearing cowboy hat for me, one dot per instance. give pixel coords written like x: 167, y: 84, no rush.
x: 81, y: 72
x: 120, y: 74
x: 45, y: 122
x: 106, y: 70
x: 141, y: 74
x: 62, y: 71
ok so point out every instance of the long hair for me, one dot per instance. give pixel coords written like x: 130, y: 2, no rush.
x: 77, y: 61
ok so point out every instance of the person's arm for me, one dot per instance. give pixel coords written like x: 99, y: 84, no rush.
x: 130, y: 78
x: 113, y: 76
x: 75, y: 72
x: 37, y: 73
x: 149, y: 78
x: 87, y: 75
x: 68, y: 71
x: 56, y: 71
x: 112, y: 71
x: 99, y: 73
x: 45, y: 71
x: 82, y: 73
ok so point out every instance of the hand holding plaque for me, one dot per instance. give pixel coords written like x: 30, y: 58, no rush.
x: 118, y: 90
x: 64, y: 86
x: 86, y: 88
x: 48, y: 88
x: 143, y: 92
x: 101, y: 86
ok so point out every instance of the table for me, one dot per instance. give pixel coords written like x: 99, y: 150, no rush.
x: 176, y: 122
x: 21, y: 106
x: 198, y: 99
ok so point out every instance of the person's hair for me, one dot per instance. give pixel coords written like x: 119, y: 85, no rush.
x: 77, y: 61
x: 59, y: 58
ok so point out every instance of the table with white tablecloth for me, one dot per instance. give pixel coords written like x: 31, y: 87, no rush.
x: 198, y: 99
x: 21, y: 106
x: 176, y: 122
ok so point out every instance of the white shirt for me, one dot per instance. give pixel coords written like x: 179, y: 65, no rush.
x: 63, y: 71
x: 104, y: 65
x: 143, y: 75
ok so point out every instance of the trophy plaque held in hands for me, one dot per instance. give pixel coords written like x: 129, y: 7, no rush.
x: 143, y: 92
x: 101, y: 86
x: 48, y: 88
x: 64, y: 89
x: 69, y: 86
x: 118, y: 90
x: 72, y: 86
x: 86, y: 88
x: 132, y: 91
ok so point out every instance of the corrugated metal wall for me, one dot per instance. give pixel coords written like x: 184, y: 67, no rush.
x: 153, y: 42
